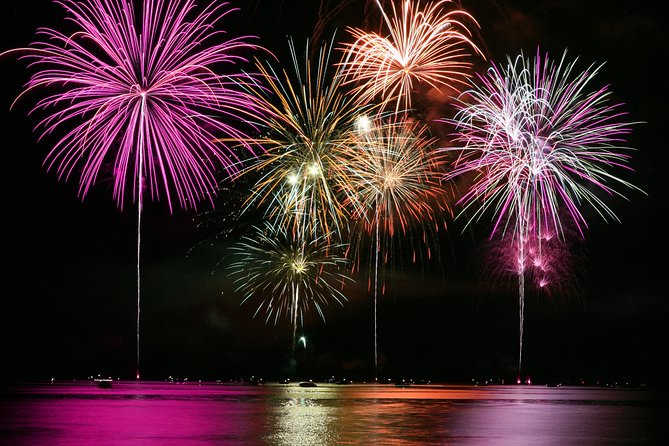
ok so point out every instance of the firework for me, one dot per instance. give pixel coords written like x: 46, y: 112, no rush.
x: 426, y: 44
x: 394, y: 181
x: 302, y: 174
x: 140, y: 95
x: 538, y: 141
x: 288, y: 276
x: 550, y: 260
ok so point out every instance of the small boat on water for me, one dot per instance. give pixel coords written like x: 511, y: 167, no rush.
x: 104, y: 383
x: 308, y: 384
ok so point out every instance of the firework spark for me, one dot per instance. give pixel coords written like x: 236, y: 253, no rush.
x: 287, y: 275
x: 310, y: 120
x: 539, y: 141
x: 140, y: 94
x: 427, y: 44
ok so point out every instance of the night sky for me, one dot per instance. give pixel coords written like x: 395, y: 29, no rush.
x: 68, y: 299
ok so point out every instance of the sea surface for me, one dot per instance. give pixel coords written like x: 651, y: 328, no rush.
x: 188, y: 414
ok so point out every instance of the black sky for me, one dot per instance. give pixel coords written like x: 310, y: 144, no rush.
x: 68, y: 304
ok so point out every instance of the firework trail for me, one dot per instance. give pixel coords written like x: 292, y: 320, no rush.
x: 140, y: 94
x: 309, y: 122
x: 538, y: 141
x: 394, y: 188
x: 287, y: 275
x: 426, y: 44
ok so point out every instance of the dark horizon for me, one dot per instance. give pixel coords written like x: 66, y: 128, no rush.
x: 69, y: 308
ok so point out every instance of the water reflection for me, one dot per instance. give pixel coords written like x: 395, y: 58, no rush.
x: 304, y: 417
x: 186, y: 415
x: 144, y: 414
x: 519, y: 415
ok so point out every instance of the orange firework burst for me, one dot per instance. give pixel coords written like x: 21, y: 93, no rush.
x: 425, y: 45
x: 393, y: 178
x: 394, y: 187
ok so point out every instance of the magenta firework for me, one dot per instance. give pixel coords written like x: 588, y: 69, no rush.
x: 539, y: 140
x: 552, y: 264
x: 140, y: 96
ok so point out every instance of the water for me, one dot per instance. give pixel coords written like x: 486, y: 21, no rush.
x: 144, y: 413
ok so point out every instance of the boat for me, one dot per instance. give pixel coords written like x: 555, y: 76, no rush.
x: 104, y: 383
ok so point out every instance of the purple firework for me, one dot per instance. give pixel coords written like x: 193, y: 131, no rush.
x: 142, y: 94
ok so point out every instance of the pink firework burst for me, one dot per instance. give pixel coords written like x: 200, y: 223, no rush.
x: 142, y: 94
x: 539, y: 144
x: 552, y: 264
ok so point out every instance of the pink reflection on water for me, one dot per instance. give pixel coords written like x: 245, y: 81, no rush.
x: 136, y: 413
x: 557, y: 416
